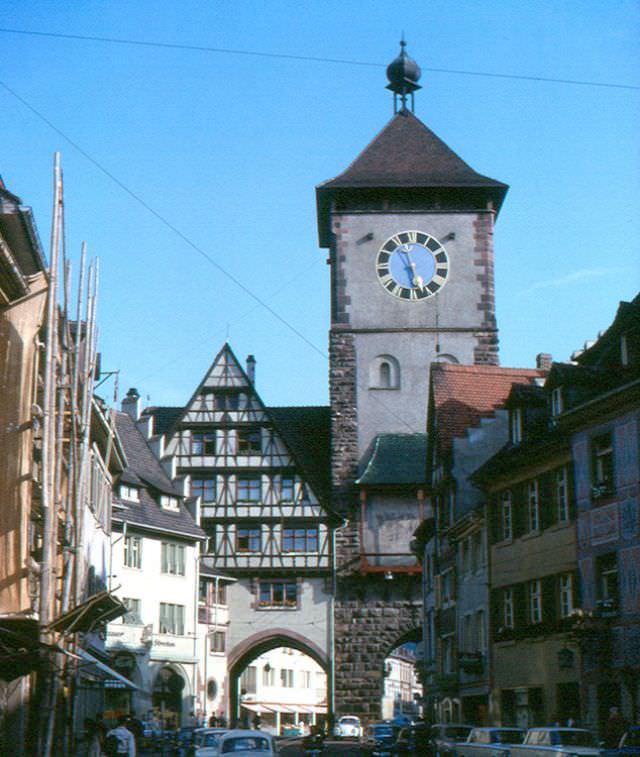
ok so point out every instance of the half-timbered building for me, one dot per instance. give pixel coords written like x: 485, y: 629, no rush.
x: 262, y: 478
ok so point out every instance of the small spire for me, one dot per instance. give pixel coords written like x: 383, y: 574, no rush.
x: 403, y: 74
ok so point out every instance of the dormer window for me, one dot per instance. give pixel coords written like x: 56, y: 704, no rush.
x: 516, y: 425
x: 557, y: 401
x: 169, y: 503
x: 130, y: 493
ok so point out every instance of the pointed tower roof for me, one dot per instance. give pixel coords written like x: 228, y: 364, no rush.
x: 407, y: 156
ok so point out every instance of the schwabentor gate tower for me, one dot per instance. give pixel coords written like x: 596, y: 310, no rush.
x: 409, y: 228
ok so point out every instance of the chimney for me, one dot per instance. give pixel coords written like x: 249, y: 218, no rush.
x: 251, y: 369
x: 131, y: 404
x: 543, y: 361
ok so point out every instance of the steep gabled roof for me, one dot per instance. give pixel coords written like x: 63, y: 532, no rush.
x: 463, y: 394
x: 144, y: 470
x: 406, y: 153
x: 396, y: 459
x: 306, y: 432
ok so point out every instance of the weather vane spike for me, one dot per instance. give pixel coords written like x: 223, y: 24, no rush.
x: 403, y: 74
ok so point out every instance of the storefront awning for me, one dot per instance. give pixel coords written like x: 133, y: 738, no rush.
x: 112, y: 679
x: 100, y: 608
x: 263, y: 707
x: 20, y: 647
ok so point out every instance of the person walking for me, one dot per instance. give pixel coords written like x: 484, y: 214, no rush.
x: 120, y: 740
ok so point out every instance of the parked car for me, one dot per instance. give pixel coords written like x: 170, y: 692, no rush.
x: 246, y: 743
x: 490, y: 742
x: 348, y: 727
x: 556, y: 742
x: 378, y: 738
x: 629, y: 745
x: 413, y: 741
x: 445, y: 737
x: 206, y: 742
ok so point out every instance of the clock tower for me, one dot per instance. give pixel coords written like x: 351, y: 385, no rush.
x: 409, y: 229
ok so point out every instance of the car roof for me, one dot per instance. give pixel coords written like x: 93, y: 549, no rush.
x: 246, y: 732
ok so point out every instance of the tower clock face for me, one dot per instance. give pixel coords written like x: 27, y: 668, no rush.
x: 412, y: 265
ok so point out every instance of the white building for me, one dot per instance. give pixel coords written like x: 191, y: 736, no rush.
x: 155, y: 547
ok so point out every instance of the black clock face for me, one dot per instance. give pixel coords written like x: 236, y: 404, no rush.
x: 412, y: 265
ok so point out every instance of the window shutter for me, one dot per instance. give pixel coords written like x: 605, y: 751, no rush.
x: 571, y: 492
x: 519, y: 512
x: 550, y: 600
x: 546, y: 499
x: 520, y: 606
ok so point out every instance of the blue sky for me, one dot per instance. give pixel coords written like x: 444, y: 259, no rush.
x: 227, y: 148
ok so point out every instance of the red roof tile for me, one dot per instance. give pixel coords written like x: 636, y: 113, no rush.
x: 463, y: 394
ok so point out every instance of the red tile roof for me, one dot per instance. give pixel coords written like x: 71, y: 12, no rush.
x: 463, y: 394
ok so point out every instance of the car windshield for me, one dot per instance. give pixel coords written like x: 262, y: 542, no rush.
x: 456, y: 732
x: 246, y: 744
x: 507, y: 736
x: 349, y: 721
x: 572, y: 738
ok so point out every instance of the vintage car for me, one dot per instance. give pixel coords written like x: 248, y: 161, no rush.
x: 445, y: 737
x: 490, y: 742
x: 206, y: 741
x: 348, y: 727
x: 247, y: 743
x: 556, y: 742
x: 378, y: 739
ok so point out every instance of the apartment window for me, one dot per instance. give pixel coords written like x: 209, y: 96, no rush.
x: 249, y: 441
x: 249, y: 679
x: 448, y: 588
x: 172, y: 558
x: 602, y: 464
x: 507, y: 608
x: 566, y: 595
x: 299, y: 539
x: 286, y: 678
x: 557, y: 401
x: 248, y: 540
x: 130, y: 493
x: 249, y: 489
x: 533, y: 511
x: 132, y: 618
x: 287, y: 489
x: 467, y: 633
x: 133, y: 552
x: 205, y: 488
x: 268, y: 676
x: 278, y: 594
x: 219, y: 594
x: 203, y: 443
x: 227, y: 401
x: 562, y: 495
x: 305, y: 679
x: 447, y: 654
x: 516, y: 425
x: 506, y: 515
x: 169, y: 503
x: 535, y: 602
x: 172, y: 619
x: 608, y: 590
x: 217, y: 642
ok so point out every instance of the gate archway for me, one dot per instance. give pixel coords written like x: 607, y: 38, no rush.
x: 258, y: 644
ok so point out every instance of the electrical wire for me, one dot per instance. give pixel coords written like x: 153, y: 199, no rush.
x: 313, y: 58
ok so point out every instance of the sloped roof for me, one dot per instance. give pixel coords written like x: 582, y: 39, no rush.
x: 406, y: 153
x: 143, y: 469
x: 164, y: 418
x: 306, y: 431
x: 396, y: 459
x: 463, y: 394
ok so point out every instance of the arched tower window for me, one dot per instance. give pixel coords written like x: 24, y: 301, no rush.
x: 384, y: 373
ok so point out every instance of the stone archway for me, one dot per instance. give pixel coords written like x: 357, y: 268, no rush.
x: 257, y: 644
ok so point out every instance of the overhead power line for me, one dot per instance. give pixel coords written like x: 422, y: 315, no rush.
x: 314, y: 58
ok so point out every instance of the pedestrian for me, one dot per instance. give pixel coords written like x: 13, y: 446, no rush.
x: 257, y: 721
x: 137, y: 729
x: 92, y: 737
x: 614, y: 729
x: 120, y: 740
